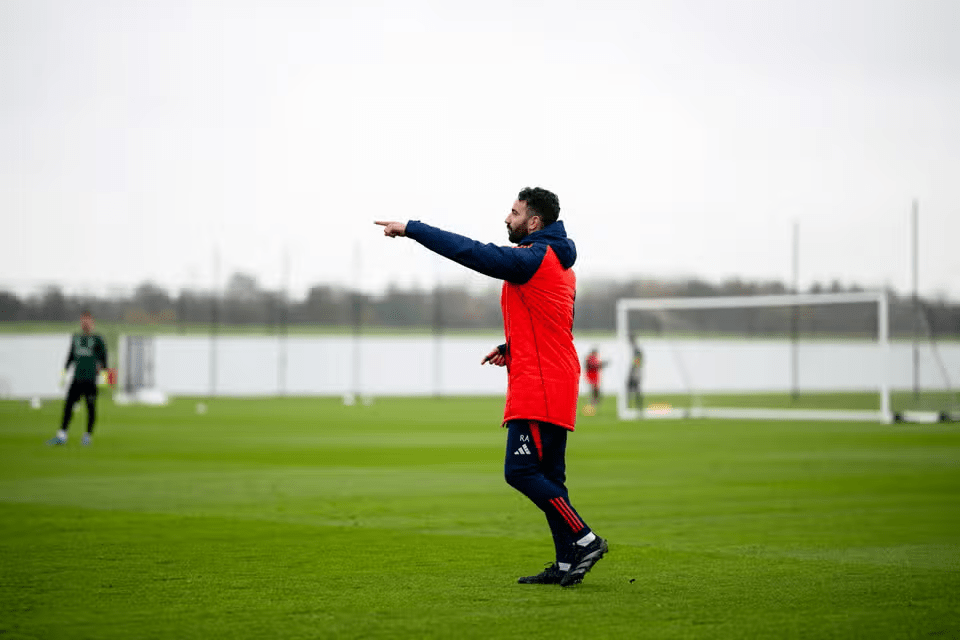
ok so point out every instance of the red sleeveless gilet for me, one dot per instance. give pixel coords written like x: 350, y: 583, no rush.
x: 543, y: 369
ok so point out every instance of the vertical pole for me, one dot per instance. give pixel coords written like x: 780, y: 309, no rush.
x: 123, y: 362
x: 883, y: 336
x: 214, y: 320
x: 181, y: 311
x: 437, y: 331
x: 915, y: 228
x: 356, y: 321
x: 623, y: 339
x: 282, y: 322
x: 795, y: 318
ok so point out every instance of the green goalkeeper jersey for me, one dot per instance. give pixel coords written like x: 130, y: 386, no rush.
x: 87, y: 351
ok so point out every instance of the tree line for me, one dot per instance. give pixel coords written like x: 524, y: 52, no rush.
x: 244, y: 302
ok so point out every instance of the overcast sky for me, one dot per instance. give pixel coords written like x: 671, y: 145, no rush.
x: 683, y: 138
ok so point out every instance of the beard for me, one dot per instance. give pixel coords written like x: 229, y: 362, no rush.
x: 516, y: 235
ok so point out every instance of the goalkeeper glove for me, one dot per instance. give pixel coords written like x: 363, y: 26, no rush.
x: 102, y: 377
x: 63, y: 378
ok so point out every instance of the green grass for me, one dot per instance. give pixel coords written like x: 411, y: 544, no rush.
x: 302, y: 518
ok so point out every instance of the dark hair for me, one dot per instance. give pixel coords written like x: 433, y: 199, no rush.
x: 541, y: 202
x: 86, y: 312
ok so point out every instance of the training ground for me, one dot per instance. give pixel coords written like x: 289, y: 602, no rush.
x: 305, y: 518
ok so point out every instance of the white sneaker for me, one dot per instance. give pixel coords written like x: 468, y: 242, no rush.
x: 87, y: 439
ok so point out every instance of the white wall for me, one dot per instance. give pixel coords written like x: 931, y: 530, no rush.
x: 451, y: 366
x: 30, y: 365
x: 325, y: 366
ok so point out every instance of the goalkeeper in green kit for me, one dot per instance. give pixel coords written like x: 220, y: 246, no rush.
x: 88, y: 354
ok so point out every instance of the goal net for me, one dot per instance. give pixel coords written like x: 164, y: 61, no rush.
x: 832, y: 356
x: 805, y: 356
x: 137, y: 372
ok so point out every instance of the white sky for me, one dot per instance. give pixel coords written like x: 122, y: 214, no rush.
x: 683, y: 138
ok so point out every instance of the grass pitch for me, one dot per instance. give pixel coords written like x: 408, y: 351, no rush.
x: 303, y: 518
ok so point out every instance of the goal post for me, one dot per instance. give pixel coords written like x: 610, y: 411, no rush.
x: 725, y: 355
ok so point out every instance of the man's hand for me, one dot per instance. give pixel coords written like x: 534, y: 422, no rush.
x: 63, y: 378
x: 392, y: 229
x: 495, y: 357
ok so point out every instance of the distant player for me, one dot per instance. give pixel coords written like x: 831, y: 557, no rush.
x: 88, y: 354
x: 635, y: 377
x: 543, y: 369
x: 592, y: 373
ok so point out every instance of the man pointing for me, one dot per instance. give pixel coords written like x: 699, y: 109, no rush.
x: 543, y: 368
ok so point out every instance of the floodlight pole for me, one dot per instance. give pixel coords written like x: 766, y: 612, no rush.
x: 356, y: 320
x: 282, y: 321
x: 437, y: 327
x: 623, y: 339
x: 214, y: 320
x: 915, y: 228
x: 795, y: 318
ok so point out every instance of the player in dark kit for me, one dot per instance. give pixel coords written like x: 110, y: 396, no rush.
x: 543, y: 369
x: 635, y: 378
x: 88, y: 354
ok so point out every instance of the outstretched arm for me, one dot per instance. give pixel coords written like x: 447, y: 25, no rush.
x: 513, y: 264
